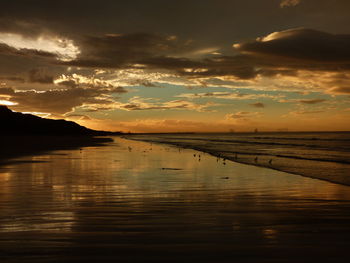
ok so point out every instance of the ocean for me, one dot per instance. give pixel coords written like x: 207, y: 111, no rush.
x: 321, y: 155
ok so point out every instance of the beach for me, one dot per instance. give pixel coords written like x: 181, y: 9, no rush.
x: 133, y: 201
x: 319, y: 155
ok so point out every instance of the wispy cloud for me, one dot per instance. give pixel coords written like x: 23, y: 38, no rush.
x: 242, y: 115
x: 306, y: 112
x: 311, y: 101
x: 258, y: 105
x: 289, y: 3
x: 303, y: 101
x: 59, y: 101
x: 227, y: 95
x: 136, y: 104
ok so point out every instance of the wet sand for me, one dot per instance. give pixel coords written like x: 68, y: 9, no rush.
x: 138, y: 202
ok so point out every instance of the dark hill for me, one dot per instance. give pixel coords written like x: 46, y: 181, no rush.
x: 15, y: 123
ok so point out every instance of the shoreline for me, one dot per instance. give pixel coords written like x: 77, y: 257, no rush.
x: 281, y: 164
x: 14, y: 146
x: 117, y: 198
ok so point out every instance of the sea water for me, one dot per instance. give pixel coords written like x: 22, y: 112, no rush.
x: 323, y: 155
x: 133, y: 201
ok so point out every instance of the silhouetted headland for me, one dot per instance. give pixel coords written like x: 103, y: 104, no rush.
x: 25, y: 134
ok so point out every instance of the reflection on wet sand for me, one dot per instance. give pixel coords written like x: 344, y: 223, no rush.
x: 132, y: 201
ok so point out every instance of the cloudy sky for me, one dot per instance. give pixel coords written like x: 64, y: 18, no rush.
x: 161, y: 65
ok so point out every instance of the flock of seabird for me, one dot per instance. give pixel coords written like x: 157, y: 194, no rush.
x: 256, y: 159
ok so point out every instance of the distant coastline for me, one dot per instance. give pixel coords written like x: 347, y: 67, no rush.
x: 18, y: 146
x: 238, y: 132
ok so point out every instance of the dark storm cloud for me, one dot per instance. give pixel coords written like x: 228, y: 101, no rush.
x: 280, y: 53
x: 59, y: 101
x: 121, y: 50
x: 186, y: 19
x: 12, y: 78
x: 107, y: 39
x: 36, y: 76
x: 40, y: 76
x: 159, y: 52
x: 7, y: 50
x: 6, y: 91
x: 68, y: 84
x: 283, y: 53
x: 181, y: 17
x: 303, y: 44
x: 206, y: 19
x: 29, y: 28
x: 340, y: 90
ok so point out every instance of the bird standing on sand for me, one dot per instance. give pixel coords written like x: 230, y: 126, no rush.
x: 256, y: 159
x: 270, y: 162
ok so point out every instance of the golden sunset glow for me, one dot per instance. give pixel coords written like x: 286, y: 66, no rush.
x: 283, y: 74
x: 202, y: 131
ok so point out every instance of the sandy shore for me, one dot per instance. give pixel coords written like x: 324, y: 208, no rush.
x: 16, y: 146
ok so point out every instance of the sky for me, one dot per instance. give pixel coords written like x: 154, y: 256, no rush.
x: 179, y: 66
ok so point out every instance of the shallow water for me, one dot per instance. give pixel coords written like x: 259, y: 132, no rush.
x: 322, y: 155
x: 138, y: 202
